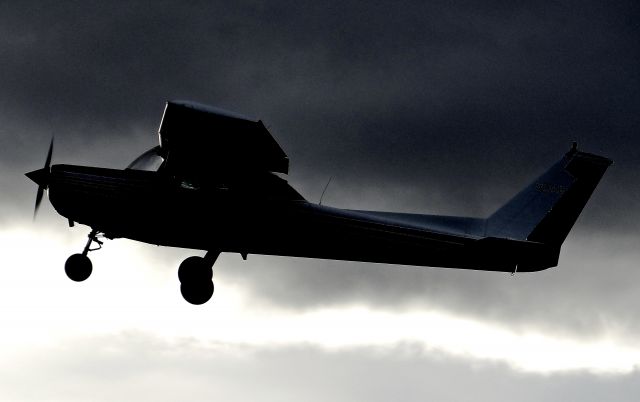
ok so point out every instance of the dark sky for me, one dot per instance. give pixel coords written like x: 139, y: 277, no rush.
x: 450, y: 99
x: 426, y: 107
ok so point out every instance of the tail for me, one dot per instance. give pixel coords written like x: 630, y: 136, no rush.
x: 546, y: 210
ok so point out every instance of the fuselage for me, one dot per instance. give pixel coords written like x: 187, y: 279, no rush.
x: 272, y: 219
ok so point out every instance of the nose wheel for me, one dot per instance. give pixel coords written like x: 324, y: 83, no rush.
x: 78, y: 267
x: 195, y: 275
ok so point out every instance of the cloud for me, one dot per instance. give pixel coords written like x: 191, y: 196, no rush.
x: 135, y: 365
x: 130, y: 292
x: 426, y: 108
x: 589, y: 295
x: 423, y: 108
x: 453, y: 100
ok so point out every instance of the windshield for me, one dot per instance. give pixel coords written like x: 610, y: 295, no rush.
x: 150, y: 160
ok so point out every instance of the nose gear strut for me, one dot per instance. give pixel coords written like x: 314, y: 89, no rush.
x: 93, y: 237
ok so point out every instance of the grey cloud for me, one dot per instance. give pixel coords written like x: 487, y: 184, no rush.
x: 420, y: 107
x: 426, y: 108
x: 591, y: 293
x: 375, y: 95
x: 137, y: 366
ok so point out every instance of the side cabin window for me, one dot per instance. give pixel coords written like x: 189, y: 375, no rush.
x: 149, y: 161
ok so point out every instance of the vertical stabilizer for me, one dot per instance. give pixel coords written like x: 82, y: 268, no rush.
x: 546, y: 210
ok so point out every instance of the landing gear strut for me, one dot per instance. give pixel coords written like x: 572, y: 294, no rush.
x: 78, y: 267
x: 195, y: 275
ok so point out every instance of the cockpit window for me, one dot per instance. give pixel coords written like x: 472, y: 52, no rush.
x: 149, y: 161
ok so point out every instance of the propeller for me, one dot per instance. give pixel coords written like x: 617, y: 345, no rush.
x: 41, y: 178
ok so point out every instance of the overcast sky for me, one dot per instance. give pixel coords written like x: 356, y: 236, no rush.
x: 424, y: 107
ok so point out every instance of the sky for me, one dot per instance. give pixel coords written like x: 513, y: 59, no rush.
x: 422, y: 107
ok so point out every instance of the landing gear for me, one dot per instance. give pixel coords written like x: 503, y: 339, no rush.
x: 78, y: 267
x: 195, y: 278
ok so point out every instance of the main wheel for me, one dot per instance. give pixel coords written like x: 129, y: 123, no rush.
x: 195, y: 280
x: 78, y: 267
x: 193, y: 270
x: 198, y: 292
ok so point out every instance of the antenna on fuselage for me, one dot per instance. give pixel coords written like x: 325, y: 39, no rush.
x: 325, y: 189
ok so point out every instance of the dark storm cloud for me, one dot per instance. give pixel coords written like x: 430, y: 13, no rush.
x: 377, y: 95
x: 434, y: 108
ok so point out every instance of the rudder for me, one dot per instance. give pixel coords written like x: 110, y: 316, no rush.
x: 547, y: 209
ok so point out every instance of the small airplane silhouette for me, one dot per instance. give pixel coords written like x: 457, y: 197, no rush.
x: 215, y: 183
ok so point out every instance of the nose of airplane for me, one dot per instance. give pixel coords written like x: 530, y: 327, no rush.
x: 40, y: 176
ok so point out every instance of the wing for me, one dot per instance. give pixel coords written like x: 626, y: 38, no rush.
x: 201, y: 141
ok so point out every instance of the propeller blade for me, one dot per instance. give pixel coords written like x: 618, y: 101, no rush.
x: 39, y: 196
x: 41, y: 177
x: 48, y: 162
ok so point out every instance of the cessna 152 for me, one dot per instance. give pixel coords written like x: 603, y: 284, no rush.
x: 215, y: 184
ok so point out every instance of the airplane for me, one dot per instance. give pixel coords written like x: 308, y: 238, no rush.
x: 217, y: 183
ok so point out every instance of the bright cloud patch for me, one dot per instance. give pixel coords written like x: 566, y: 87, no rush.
x: 39, y: 305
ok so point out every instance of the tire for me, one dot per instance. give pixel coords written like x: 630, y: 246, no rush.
x: 78, y: 267
x: 197, y: 293
x: 193, y: 270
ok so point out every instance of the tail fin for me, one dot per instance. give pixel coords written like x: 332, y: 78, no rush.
x: 546, y: 210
